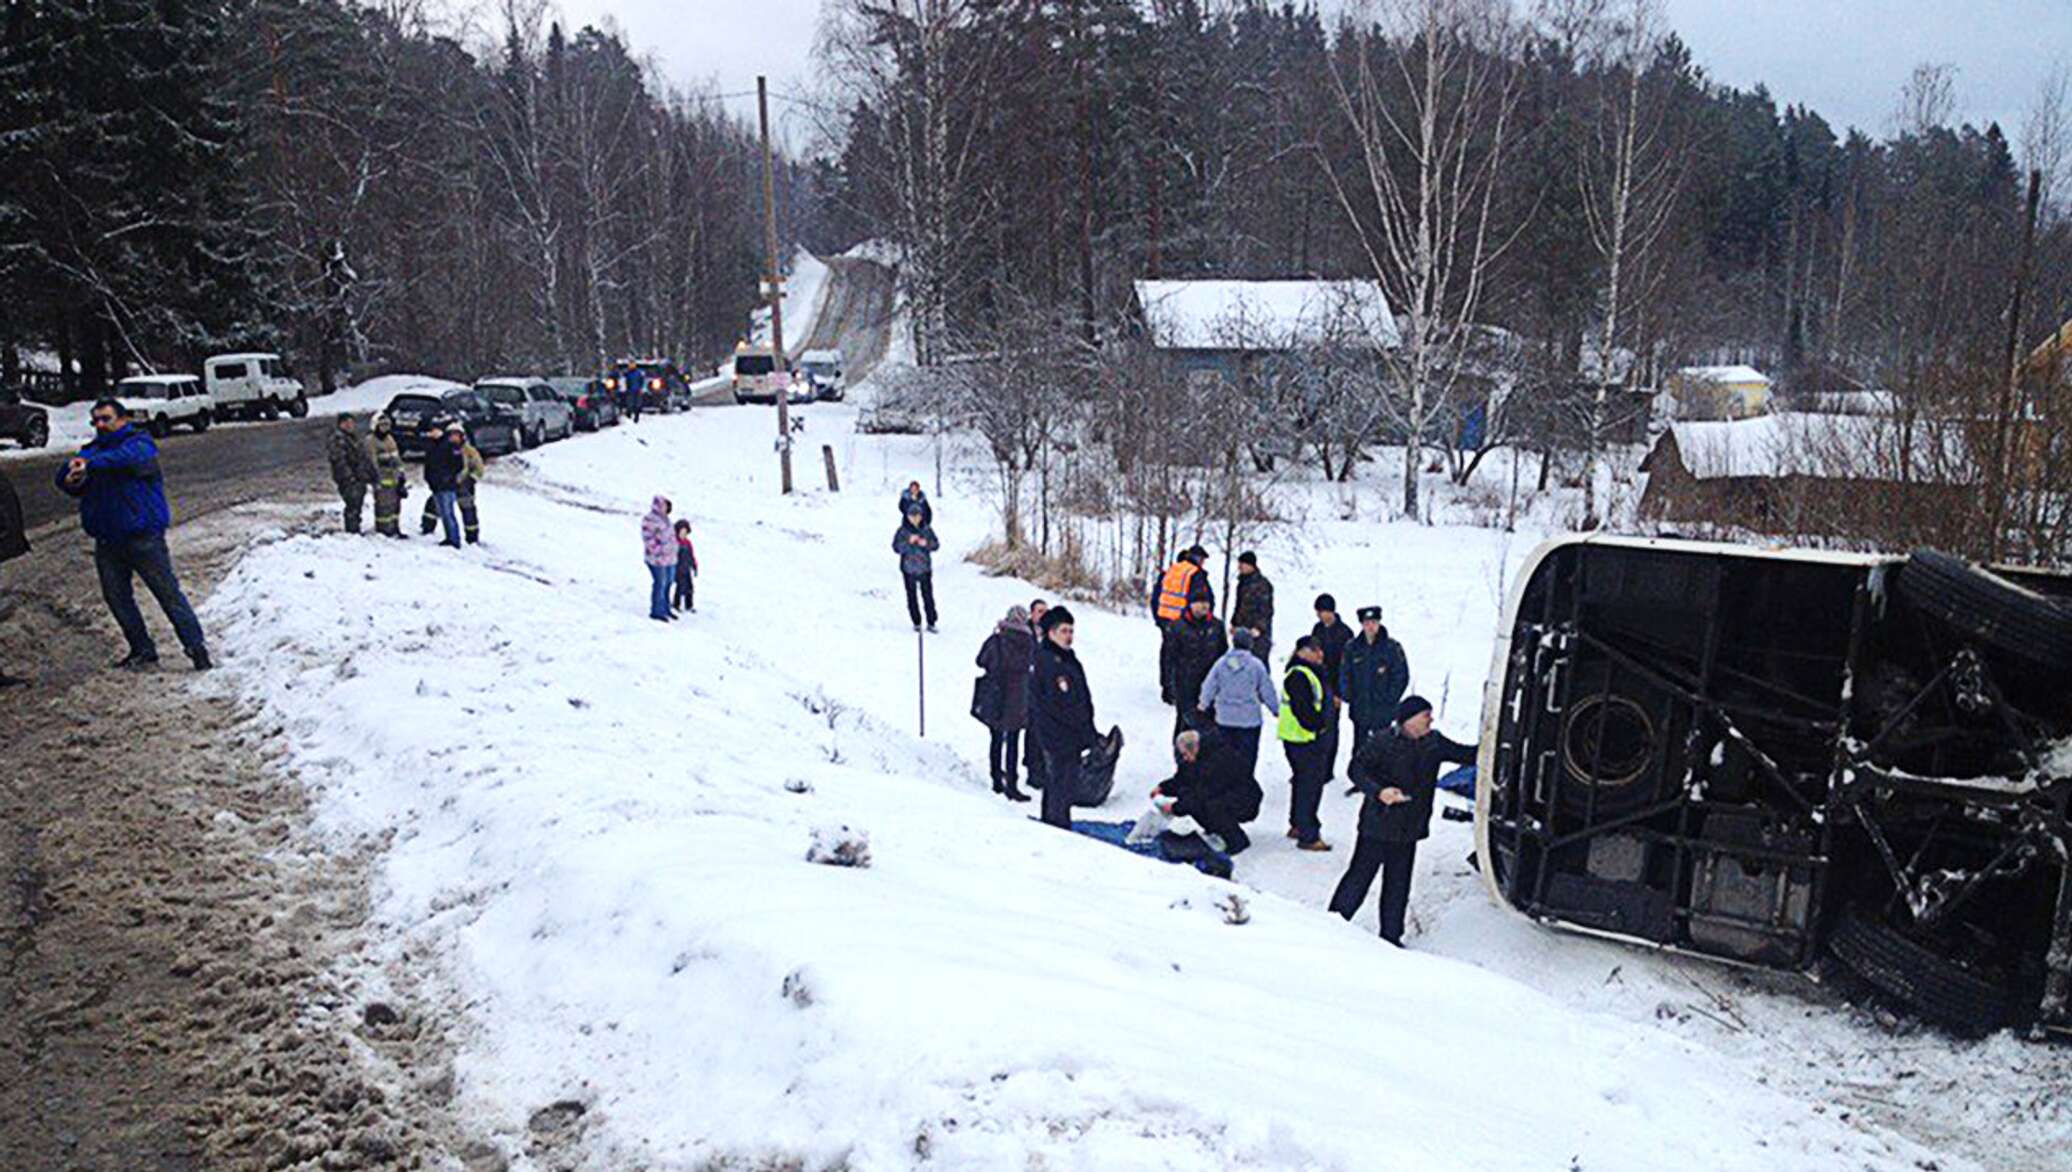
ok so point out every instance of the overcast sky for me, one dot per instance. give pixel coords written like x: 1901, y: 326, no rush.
x: 1845, y: 58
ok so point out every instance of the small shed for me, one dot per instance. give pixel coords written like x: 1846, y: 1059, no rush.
x: 1720, y: 392
x: 1854, y: 477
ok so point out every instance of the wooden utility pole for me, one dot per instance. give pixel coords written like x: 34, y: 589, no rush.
x: 2000, y: 474
x: 780, y: 367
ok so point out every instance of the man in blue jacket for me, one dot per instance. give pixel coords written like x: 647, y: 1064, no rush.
x: 122, y: 507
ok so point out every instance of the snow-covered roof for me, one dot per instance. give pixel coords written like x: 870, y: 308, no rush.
x: 1725, y: 374
x: 247, y: 356
x: 160, y: 379
x: 1840, y: 447
x: 1263, y: 315
x: 1859, y: 402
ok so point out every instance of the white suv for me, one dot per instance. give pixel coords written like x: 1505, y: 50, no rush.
x: 546, y: 414
x: 159, y: 402
x: 253, y: 386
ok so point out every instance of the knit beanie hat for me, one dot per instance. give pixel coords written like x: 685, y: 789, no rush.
x: 1241, y: 639
x: 1411, y: 706
x: 1326, y: 602
x: 1199, y: 590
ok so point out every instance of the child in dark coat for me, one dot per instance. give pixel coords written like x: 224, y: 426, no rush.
x: 686, y: 568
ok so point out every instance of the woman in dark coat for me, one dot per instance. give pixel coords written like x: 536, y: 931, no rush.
x: 1003, y: 703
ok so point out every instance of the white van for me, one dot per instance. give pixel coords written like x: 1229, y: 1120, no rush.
x: 824, y: 370
x: 253, y: 386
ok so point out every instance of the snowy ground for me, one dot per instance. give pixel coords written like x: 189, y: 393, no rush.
x: 594, y: 857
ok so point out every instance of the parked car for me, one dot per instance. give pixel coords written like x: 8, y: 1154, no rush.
x: 546, y: 415
x: 823, y: 368
x: 411, y: 413
x: 160, y: 402
x: 591, y: 408
x: 252, y: 386
x: 1780, y: 758
x: 663, y: 388
x: 23, y: 422
x: 493, y: 430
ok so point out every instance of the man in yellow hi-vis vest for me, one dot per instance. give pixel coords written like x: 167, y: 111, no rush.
x: 1169, y: 599
x: 1304, y: 700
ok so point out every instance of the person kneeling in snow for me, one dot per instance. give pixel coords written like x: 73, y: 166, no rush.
x: 1212, y: 785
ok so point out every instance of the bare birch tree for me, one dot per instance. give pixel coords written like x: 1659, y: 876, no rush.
x: 518, y: 136
x: 1631, y: 174
x: 928, y: 68
x: 2046, y: 138
x: 1428, y: 95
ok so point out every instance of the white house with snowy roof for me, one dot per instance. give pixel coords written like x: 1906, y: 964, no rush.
x: 1263, y: 316
x: 1233, y: 332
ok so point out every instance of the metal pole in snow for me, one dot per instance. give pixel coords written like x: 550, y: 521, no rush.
x: 921, y: 678
x: 780, y: 364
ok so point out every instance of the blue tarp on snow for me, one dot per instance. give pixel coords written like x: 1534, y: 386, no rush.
x: 1117, y: 834
x: 1460, y: 781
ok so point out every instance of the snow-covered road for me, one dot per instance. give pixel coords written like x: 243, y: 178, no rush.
x: 593, y: 860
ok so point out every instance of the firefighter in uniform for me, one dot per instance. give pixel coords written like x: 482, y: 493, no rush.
x: 473, y: 469
x: 388, y: 483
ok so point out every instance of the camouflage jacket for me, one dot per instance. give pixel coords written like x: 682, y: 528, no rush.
x: 350, y: 463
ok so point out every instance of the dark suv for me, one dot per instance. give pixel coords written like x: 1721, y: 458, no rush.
x: 663, y: 387
x: 22, y: 421
x: 492, y: 430
x: 586, y: 398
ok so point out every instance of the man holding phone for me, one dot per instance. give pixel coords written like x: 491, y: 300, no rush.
x: 122, y: 506
x: 1397, y: 774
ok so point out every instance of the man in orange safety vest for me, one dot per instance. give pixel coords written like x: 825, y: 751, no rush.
x: 1169, y: 600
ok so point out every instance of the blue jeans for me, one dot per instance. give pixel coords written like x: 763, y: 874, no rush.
x: 147, y: 558
x: 448, y: 502
x: 658, y: 595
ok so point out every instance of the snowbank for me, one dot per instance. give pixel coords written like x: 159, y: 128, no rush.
x: 589, y: 838
x: 374, y: 394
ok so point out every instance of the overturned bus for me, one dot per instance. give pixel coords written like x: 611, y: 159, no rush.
x: 1775, y: 758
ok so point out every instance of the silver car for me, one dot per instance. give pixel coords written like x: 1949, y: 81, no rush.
x: 547, y: 415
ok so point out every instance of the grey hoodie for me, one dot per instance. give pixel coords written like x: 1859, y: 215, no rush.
x: 1237, y: 689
